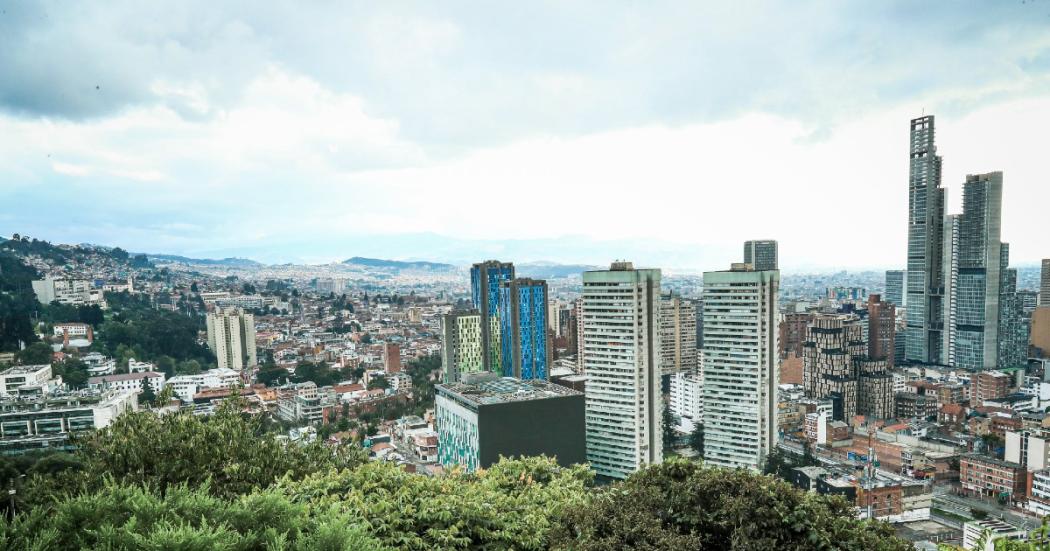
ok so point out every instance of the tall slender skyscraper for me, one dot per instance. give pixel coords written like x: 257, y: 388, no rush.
x: 524, y: 333
x: 1044, y: 284
x: 621, y: 338
x: 895, y: 287
x: 761, y: 254
x: 951, y: 281
x: 979, y: 284
x: 740, y: 366
x: 925, y: 242
x: 485, y: 280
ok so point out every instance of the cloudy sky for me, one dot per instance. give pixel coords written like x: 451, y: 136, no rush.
x: 667, y: 133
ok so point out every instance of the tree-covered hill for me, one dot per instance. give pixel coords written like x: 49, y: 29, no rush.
x: 185, y: 482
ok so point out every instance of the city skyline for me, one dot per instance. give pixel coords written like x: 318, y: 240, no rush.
x: 282, y: 150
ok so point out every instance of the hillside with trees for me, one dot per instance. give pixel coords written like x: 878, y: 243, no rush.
x: 185, y: 482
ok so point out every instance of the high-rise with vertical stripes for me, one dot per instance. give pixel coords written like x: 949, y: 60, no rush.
x: 740, y: 361
x: 925, y: 288
x: 524, y: 333
x: 621, y: 339
x: 485, y: 281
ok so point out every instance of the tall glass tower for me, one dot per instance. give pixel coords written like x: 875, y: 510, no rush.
x: 925, y: 289
x: 524, y: 339
x: 485, y: 280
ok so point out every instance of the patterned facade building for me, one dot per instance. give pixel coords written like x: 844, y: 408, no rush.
x: 836, y: 365
x: 479, y: 420
x: 524, y: 332
x: 485, y: 281
x: 461, y: 349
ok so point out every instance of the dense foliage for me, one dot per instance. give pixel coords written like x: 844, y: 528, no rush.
x: 186, y: 482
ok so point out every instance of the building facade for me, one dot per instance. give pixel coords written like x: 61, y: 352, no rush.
x: 479, y: 421
x: 882, y: 330
x: 461, y: 348
x: 762, y: 255
x: 925, y: 285
x: 677, y: 335
x: 621, y: 341
x: 895, y: 287
x: 485, y: 281
x: 524, y: 335
x: 231, y: 336
x: 740, y: 358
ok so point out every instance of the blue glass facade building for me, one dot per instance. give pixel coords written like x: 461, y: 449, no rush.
x: 525, y: 342
x: 485, y: 281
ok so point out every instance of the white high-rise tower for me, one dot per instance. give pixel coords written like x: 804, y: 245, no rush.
x: 621, y: 339
x: 231, y: 336
x: 740, y: 366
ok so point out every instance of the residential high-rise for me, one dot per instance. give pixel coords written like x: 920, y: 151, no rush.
x: 1044, y: 284
x: 951, y: 282
x: 478, y: 421
x: 740, y: 365
x: 461, y: 349
x: 925, y: 242
x: 554, y: 311
x: 577, y: 310
x: 677, y: 335
x: 485, y: 280
x: 761, y: 254
x: 1014, y: 323
x: 895, y: 287
x: 793, y: 327
x: 621, y: 341
x: 882, y: 328
x: 231, y: 336
x: 524, y: 335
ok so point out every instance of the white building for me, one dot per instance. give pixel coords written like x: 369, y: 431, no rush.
x: 128, y: 381
x: 22, y: 379
x: 740, y: 366
x: 1027, y: 449
x: 621, y: 341
x: 1039, y: 501
x: 231, y: 336
x: 399, y: 382
x: 997, y: 530
x: 75, y: 292
x: 185, y: 386
x: 687, y: 400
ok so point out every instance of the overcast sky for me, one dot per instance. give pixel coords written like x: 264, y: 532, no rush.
x: 666, y: 133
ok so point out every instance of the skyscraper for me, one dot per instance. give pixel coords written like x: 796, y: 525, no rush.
x: 925, y: 241
x: 951, y: 282
x: 677, y: 335
x: 461, y: 350
x: 485, y: 280
x: 761, y: 254
x: 740, y: 365
x: 231, y: 336
x: 980, y: 261
x: 524, y: 335
x: 882, y: 326
x: 621, y: 340
x: 895, y: 287
x: 1044, y: 284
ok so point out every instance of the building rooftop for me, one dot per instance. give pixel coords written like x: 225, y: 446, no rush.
x: 23, y: 369
x: 506, y: 389
x: 123, y: 377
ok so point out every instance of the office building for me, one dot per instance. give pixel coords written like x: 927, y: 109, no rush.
x: 231, y: 336
x: 621, y: 341
x: 677, y: 335
x: 485, y: 281
x: 951, y: 284
x: 980, y: 264
x: 761, y: 255
x: 485, y: 417
x: 27, y: 380
x: 461, y: 349
x: 925, y: 243
x: 1044, y: 284
x: 46, y: 421
x: 832, y: 342
x: 740, y: 359
x: 524, y: 335
x: 895, y: 287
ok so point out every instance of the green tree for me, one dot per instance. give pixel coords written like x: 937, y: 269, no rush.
x: 696, y: 439
x: 670, y: 435
x: 148, y: 396
x: 36, y: 354
x: 378, y: 381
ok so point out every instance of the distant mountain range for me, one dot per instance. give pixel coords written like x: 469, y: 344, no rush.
x: 544, y: 270
x: 397, y: 264
x: 230, y: 262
